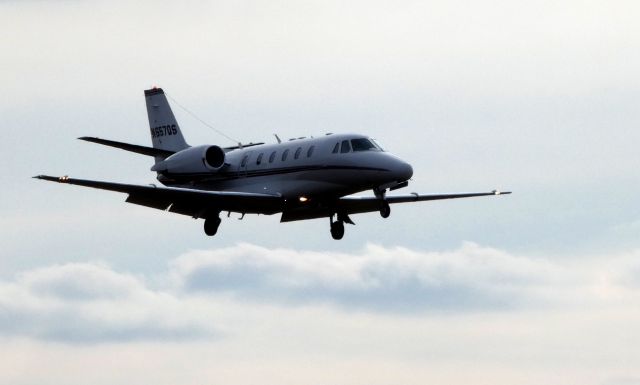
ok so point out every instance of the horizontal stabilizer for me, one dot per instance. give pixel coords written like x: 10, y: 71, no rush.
x: 130, y: 147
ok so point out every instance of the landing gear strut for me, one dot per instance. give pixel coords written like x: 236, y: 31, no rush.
x: 211, y: 225
x: 381, y: 193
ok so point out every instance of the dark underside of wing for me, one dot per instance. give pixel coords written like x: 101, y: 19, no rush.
x: 358, y: 205
x: 195, y: 203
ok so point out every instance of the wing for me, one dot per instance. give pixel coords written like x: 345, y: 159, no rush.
x: 195, y: 203
x: 356, y: 205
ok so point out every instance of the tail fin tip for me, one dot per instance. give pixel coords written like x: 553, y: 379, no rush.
x: 153, y: 91
x: 165, y: 131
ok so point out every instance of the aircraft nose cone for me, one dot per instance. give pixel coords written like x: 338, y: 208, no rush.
x: 404, y: 171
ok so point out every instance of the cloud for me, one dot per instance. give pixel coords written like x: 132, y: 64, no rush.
x: 81, y: 282
x: 208, y: 293
x: 377, y: 278
x: 91, y: 303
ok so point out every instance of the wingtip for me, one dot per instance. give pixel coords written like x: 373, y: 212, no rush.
x: 498, y: 192
x: 60, y: 179
x: 45, y: 177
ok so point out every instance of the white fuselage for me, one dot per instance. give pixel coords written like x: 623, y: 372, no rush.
x: 331, y: 166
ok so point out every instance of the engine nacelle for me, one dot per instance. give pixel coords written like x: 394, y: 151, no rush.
x: 193, y: 160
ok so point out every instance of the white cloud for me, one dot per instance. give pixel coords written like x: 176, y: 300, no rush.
x: 76, y: 281
x: 205, y: 293
x: 92, y: 303
x: 377, y: 278
x: 249, y: 313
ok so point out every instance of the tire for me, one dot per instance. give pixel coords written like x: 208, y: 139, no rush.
x: 337, y: 230
x: 211, y: 226
x: 385, y: 210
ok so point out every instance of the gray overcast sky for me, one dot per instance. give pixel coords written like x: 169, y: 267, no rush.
x: 539, y: 97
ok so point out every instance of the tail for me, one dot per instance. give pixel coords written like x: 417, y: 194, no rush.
x: 165, y: 131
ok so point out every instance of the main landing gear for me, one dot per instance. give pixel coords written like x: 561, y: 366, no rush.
x: 211, y: 225
x: 337, y: 227
x: 337, y: 230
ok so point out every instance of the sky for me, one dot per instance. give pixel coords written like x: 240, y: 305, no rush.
x: 536, y: 97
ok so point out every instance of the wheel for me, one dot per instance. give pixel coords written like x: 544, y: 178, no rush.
x: 385, y: 210
x: 337, y: 230
x: 211, y: 226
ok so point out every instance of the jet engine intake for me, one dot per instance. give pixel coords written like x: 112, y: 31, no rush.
x: 214, y: 157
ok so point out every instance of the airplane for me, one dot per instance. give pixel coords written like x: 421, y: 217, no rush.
x: 303, y: 178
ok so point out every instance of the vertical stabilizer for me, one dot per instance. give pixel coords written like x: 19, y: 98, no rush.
x: 165, y: 131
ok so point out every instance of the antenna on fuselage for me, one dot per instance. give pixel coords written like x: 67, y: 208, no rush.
x: 277, y: 138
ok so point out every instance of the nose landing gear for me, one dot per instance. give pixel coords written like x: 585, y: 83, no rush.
x: 385, y: 210
x: 380, y: 193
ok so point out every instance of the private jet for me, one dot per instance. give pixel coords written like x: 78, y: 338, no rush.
x: 302, y: 178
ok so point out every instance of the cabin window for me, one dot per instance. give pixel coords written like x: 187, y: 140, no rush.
x: 363, y: 144
x: 272, y: 157
x: 285, y: 154
x: 259, y: 159
x: 297, y: 154
x: 345, y: 147
x: 336, y: 148
x: 244, y: 161
x: 310, y: 151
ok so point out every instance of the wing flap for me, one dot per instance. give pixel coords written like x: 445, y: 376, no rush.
x: 189, y: 209
x: 145, y: 200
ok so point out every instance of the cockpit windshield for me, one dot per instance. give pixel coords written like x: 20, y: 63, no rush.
x: 364, y: 144
x: 377, y: 144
